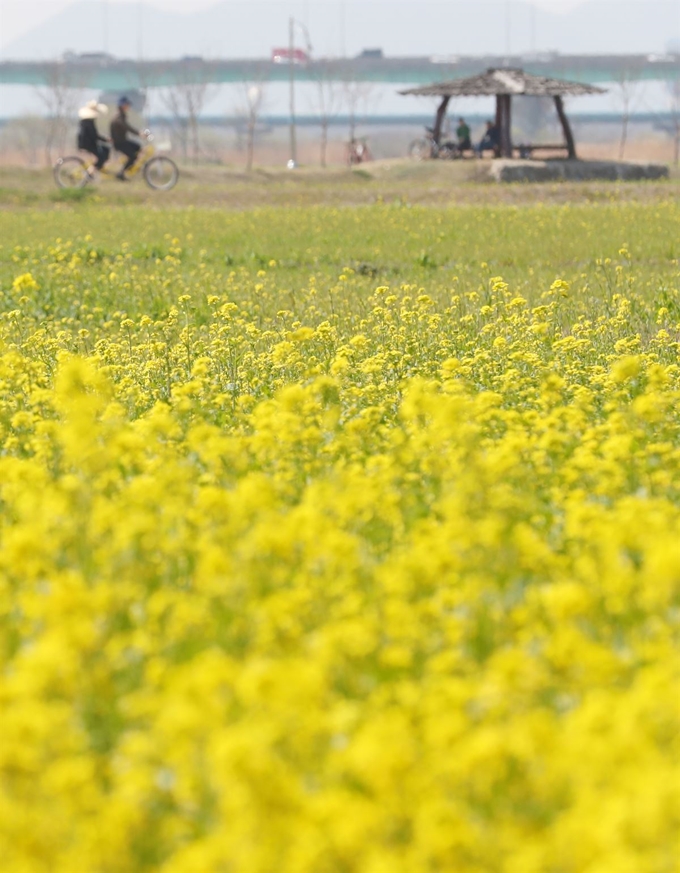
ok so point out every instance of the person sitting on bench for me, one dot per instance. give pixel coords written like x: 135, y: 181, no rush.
x: 463, y: 135
x: 490, y: 140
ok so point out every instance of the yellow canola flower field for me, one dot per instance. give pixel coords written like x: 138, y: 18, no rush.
x: 381, y: 586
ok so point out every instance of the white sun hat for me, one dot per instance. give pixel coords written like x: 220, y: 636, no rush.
x: 93, y: 110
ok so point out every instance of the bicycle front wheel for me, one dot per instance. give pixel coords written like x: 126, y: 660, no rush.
x: 420, y: 150
x: 71, y: 172
x: 161, y: 173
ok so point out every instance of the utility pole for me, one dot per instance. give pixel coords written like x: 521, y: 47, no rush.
x: 105, y: 24
x: 140, y: 30
x: 292, y: 163
x: 508, y: 32
x: 343, y: 23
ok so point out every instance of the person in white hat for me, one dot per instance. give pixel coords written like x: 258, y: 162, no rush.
x: 89, y: 138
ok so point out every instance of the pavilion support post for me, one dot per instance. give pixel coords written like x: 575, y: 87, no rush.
x: 505, y: 129
x: 566, y: 127
x: 503, y: 125
x: 439, y: 119
x: 499, y: 116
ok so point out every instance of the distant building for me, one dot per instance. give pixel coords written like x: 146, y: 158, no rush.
x: 374, y: 54
x: 285, y: 56
x: 100, y: 59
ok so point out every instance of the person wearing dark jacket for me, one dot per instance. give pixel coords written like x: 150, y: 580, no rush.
x: 89, y: 138
x: 120, y: 128
x: 490, y: 141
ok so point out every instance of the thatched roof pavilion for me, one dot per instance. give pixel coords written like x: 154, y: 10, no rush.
x: 504, y: 84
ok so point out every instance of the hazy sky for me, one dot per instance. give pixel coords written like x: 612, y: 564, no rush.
x: 19, y: 16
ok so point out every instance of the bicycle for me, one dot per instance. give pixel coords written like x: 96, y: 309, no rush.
x: 159, y: 171
x: 427, y: 148
x: 358, y: 152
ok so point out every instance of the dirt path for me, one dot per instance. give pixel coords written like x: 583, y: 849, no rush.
x: 395, y: 180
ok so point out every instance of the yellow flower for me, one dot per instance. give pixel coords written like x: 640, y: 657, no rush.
x: 24, y: 283
x: 626, y: 368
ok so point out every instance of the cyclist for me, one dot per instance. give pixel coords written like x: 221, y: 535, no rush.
x: 120, y: 128
x: 358, y: 151
x: 89, y: 138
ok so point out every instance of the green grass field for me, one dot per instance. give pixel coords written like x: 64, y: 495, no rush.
x: 527, y: 243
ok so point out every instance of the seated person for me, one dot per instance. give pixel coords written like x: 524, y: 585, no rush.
x: 490, y: 141
x: 120, y: 127
x: 463, y: 135
x: 89, y: 138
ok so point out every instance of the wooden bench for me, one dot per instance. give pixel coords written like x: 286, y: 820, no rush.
x: 526, y: 150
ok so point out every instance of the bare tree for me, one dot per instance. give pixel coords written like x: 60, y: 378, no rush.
x: 60, y: 95
x: 628, y: 92
x: 178, y: 121
x: 326, y: 103
x: 674, y: 89
x: 358, y: 97
x: 26, y: 135
x: 185, y: 100
x: 255, y: 95
x: 141, y: 80
x: 251, y: 105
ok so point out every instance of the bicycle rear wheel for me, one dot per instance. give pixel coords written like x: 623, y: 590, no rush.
x: 420, y: 150
x: 161, y: 173
x: 71, y: 172
x: 448, y: 151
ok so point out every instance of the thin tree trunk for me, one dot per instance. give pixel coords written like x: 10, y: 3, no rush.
x: 624, y: 135
x: 185, y: 140
x: 49, y: 143
x: 250, y: 145
x: 195, y: 138
x: 324, y: 141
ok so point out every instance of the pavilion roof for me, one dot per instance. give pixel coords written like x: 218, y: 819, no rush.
x: 506, y: 80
